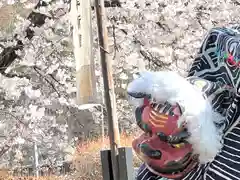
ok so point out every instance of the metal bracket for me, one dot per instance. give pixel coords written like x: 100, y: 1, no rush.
x: 125, y: 161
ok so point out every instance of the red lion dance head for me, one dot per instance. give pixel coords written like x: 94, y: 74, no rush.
x: 176, y: 119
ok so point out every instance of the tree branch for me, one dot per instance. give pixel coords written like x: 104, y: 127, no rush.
x: 147, y: 55
x: 40, y: 74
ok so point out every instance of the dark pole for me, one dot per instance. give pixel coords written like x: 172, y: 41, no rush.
x: 109, y: 94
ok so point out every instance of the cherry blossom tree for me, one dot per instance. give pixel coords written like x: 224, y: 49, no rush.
x: 37, y: 86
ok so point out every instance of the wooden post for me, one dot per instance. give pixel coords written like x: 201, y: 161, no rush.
x: 81, y: 19
x: 109, y: 94
x: 36, y: 159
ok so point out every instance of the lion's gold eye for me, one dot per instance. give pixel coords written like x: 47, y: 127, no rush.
x: 178, y: 145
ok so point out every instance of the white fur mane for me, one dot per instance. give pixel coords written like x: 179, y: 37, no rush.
x: 198, y: 113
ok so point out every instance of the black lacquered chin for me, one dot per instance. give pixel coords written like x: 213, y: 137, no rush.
x: 152, y: 153
x: 174, y: 139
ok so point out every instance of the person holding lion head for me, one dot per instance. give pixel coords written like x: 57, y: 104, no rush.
x: 190, y: 126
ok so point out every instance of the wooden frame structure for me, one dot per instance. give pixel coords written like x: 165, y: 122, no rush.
x: 117, y: 163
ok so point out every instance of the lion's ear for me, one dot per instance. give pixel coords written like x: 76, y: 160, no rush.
x: 177, y: 111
